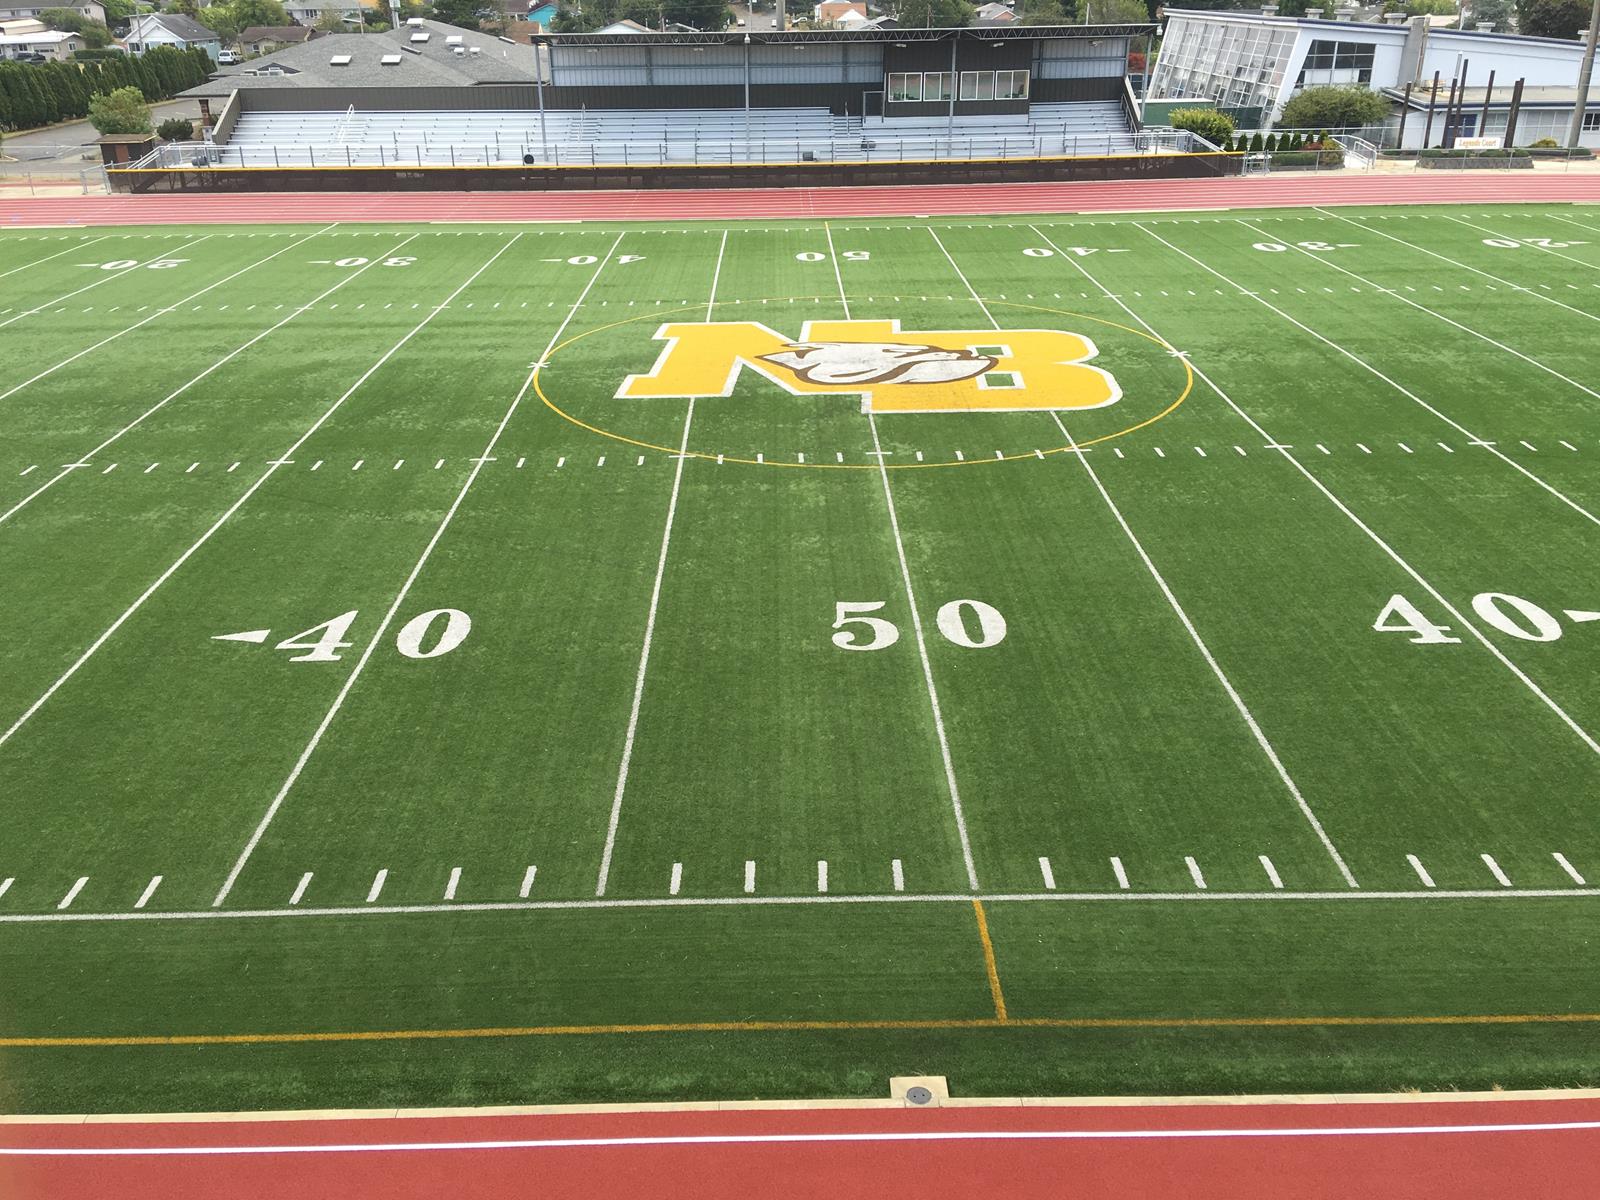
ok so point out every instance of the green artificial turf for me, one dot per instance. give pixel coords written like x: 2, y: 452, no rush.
x: 1312, y: 818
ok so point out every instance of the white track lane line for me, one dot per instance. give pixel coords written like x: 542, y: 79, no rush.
x: 1392, y: 293
x: 626, y: 761
x: 57, y: 254
x: 1406, y: 392
x: 221, y: 362
x: 916, y: 616
x: 789, y: 1139
x: 1393, y: 555
x: 1368, y: 227
x: 1239, y: 705
x: 228, y: 513
x: 98, y: 282
x: 416, y: 570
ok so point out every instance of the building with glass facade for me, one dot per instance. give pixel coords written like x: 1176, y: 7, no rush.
x: 1242, y: 60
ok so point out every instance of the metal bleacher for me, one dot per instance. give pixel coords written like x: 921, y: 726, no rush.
x: 667, y: 136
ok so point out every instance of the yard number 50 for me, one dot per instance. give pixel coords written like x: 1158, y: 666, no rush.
x: 858, y: 631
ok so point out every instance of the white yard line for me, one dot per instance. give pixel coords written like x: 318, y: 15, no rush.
x: 1120, y: 896
x: 83, y: 459
x: 1394, y: 294
x: 1172, y: 600
x: 1369, y: 227
x: 160, y: 312
x: 57, y: 254
x: 1361, y: 362
x: 106, y: 278
x: 1393, y: 555
x: 626, y: 761
x: 416, y: 570
x: 916, y: 615
x: 228, y: 513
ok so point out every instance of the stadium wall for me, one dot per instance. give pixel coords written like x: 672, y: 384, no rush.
x: 610, y: 177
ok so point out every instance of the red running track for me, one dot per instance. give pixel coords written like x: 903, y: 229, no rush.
x: 1541, y: 1147
x: 759, y: 203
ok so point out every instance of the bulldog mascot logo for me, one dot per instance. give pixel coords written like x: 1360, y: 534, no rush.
x: 966, y: 370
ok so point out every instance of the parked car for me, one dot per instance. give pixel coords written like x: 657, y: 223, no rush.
x: 31, y: 57
x: 229, y: 58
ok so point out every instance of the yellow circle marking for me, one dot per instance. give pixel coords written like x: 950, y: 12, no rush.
x: 1072, y: 447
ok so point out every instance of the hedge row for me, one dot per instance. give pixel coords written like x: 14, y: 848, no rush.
x: 42, y: 94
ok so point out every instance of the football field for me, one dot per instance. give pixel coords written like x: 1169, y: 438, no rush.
x: 507, y: 664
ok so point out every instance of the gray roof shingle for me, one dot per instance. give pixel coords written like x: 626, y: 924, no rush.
x: 434, y: 63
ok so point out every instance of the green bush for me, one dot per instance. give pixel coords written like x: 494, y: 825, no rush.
x: 1256, y: 144
x: 1334, y: 108
x: 121, y: 111
x: 1546, y: 144
x: 175, y: 129
x: 1215, y: 127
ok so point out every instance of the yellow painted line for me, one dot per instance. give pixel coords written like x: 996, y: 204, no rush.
x: 1071, y: 448
x: 995, y: 991
x: 529, y: 1031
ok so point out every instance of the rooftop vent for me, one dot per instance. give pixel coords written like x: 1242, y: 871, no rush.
x: 411, y: 50
x: 508, y: 41
x: 476, y: 50
x: 339, y: 60
x: 1315, y: 14
x: 453, y: 39
x: 1269, y: 10
x: 1394, y: 18
x: 414, y: 22
x: 1484, y: 26
x: 390, y: 60
x: 459, y: 51
x: 420, y: 37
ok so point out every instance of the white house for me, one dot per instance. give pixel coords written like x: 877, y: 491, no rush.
x: 90, y: 10
x: 1259, y: 60
x: 149, y: 30
x: 53, y: 45
x: 310, y: 12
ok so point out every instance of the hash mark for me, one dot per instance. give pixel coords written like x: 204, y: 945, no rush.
x: 72, y: 893
x: 377, y: 885
x: 300, y: 888
x: 1561, y: 861
x: 1422, y: 871
x: 149, y: 890
x: 1194, y: 871
x: 1494, y: 869
x: 527, y: 882
x: 677, y: 879
x: 1122, y: 876
x: 749, y: 875
x: 1047, y: 873
x: 898, y: 874
x: 822, y: 875
x: 1272, y: 871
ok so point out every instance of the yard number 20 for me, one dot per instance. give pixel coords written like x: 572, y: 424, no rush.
x: 858, y: 631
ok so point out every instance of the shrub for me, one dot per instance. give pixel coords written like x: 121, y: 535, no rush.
x: 121, y: 111
x: 1547, y: 144
x: 1256, y: 144
x: 1215, y: 127
x: 175, y: 129
x: 1334, y: 108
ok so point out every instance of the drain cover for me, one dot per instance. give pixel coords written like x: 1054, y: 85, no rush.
x: 918, y: 1095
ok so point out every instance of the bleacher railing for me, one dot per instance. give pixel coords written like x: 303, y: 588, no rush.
x: 868, y: 147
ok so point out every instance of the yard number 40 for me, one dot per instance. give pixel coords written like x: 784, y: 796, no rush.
x: 1511, y: 615
x: 858, y: 631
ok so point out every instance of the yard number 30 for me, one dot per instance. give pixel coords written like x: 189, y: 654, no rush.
x: 858, y: 631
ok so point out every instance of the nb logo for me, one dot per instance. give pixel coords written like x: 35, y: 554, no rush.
x: 964, y: 370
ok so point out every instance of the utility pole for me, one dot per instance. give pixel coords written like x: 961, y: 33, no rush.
x: 1585, y: 73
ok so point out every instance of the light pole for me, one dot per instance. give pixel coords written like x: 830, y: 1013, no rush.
x: 1585, y: 73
